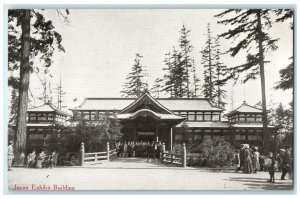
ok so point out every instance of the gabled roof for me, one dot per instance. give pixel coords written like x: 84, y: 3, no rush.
x: 160, y: 116
x: 148, y: 99
x: 173, y: 104
x: 47, y: 108
x: 245, y: 108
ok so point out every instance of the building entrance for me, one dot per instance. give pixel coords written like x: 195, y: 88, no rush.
x: 146, y: 136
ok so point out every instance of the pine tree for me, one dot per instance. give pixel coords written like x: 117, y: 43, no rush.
x: 220, y: 74
x: 168, y: 77
x: 208, y: 87
x: 135, y: 85
x: 185, y: 50
x: 157, y: 87
x: 30, y: 36
x: 250, y: 29
x: 196, y: 81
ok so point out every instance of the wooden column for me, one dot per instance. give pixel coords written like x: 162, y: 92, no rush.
x: 107, y: 150
x: 156, y: 132
x: 82, y: 154
x: 171, y: 138
x: 183, y: 155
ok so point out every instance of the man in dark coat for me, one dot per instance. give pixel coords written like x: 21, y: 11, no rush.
x: 286, y: 163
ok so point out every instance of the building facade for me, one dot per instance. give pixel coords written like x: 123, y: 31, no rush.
x: 172, y: 120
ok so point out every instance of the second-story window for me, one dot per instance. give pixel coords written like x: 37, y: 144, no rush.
x: 207, y: 116
x: 242, y: 117
x: 250, y: 118
x: 216, y: 116
x: 191, y: 116
x: 199, y: 116
x: 259, y: 118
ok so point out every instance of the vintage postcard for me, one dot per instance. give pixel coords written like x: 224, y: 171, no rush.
x: 150, y: 99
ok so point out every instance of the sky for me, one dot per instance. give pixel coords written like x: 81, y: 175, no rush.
x: 101, y: 46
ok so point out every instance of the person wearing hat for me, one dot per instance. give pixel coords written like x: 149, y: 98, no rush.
x: 286, y: 163
x: 10, y: 151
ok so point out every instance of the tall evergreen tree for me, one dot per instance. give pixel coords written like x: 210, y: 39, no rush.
x: 209, y: 73
x: 250, y: 28
x: 135, y: 85
x: 168, y: 77
x: 220, y: 74
x: 157, y: 87
x: 30, y: 35
x: 185, y: 50
x: 196, y: 81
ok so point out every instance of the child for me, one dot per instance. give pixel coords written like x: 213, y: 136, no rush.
x: 272, y: 168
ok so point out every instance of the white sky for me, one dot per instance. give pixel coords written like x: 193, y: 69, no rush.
x: 101, y: 45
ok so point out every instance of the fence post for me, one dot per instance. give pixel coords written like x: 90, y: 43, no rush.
x: 163, y: 148
x: 107, y: 150
x: 183, y: 155
x: 81, y: 154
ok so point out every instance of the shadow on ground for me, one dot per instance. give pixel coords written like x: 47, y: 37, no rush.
x: 262, y: 183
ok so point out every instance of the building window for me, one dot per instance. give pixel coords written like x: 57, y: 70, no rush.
x: 191, y: 117
x: 78, y: 115
x: 240, y: 137
x: 36, y: 136
x: 93, y: 115
x: 199, y: 116
x: 207, y: 116
x: 250, y: 118
x: 86, y: 115
x: 216, y: 117
x: 258, y: 118
x: 42, y: 118
x: 32, y: 118
x: 242, y: 117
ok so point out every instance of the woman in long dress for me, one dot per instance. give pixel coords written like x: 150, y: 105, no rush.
x: 248, y: 168
x: 256, y: 165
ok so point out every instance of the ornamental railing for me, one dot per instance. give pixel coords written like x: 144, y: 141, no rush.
x: 96, y: 156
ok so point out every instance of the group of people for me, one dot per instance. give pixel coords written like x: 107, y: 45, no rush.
x: 42, y: 160
x: 138, y: 149
x: 249, y: 160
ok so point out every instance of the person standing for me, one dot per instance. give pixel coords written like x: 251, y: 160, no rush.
x: 237, y: 160
x: 10, y: 154
x: 286, y: 163
x: 248, y: 168
x: 256, y: 165
x: 272, y: 168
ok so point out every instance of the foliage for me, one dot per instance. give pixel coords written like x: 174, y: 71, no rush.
x: 157, y: 87
x: 247, y: 28
x: 94, y: 134
x: 214, y: 70
x: 30, y: 37
x: 135, y: 85
x: 216, y: 150
x: 178, y: 64
x: 282, y: 119
x: 286, y: 77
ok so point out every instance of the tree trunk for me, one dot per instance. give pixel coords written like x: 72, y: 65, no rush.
x: 262, y: 76
x: 20, y: 141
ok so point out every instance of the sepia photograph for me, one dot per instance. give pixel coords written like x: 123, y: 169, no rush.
x: 150, y: 99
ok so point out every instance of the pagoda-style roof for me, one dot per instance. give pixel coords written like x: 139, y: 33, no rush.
x: 245, y: 108
x: 47, y: 108
x: 250, y: 125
